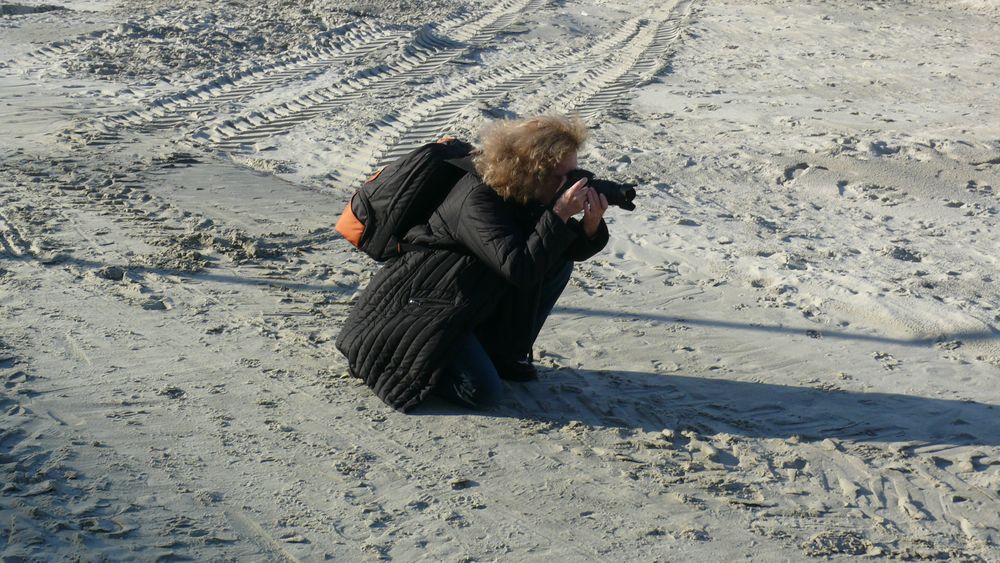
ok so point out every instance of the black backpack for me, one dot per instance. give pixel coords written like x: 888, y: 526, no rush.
x: 400, y: 196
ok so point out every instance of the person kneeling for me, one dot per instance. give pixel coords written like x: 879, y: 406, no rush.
x: 462, y: 313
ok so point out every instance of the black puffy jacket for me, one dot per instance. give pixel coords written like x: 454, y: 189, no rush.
x: 481, y: 272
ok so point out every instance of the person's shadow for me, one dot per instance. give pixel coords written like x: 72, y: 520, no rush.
x: 653, y: 402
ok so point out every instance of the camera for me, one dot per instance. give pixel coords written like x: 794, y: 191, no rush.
x: 617, y: 194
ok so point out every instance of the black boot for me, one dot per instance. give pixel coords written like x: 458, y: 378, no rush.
x: 519, y: 370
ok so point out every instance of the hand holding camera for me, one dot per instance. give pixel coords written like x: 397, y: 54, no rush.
x: 593, y: 211
x: 583, y: 192
x: 620, y: 195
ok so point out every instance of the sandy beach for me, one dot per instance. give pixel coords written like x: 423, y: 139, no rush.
x: 790, y: 351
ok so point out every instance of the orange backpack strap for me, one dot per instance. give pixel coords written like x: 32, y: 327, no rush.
x: 350, y: 226
x: 375, y: 175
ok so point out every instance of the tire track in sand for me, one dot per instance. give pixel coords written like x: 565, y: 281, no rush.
x: 427, y: 52
x: 172, y: 110
x: 359, y: 39
x: 607, y: 84
x: 636, y: 50
x: 429, y: 118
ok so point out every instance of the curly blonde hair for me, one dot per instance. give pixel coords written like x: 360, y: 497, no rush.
x: 517, y: 157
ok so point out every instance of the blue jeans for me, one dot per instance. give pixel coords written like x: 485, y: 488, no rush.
x: 470, y: 378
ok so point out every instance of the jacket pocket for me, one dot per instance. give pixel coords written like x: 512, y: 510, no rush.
x: 430, y: 302
x: 430, y: 299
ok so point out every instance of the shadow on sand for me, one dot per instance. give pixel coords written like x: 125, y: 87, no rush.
x: 209, y: 275
x: 652, y: 402
x: 989, y: 335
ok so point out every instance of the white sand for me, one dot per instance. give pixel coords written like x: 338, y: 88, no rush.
x: 789, y: 351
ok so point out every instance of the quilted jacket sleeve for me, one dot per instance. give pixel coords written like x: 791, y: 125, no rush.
x: 489, y: 228
x: 584, y: 247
